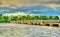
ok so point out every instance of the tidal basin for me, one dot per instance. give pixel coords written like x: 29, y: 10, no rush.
x: 20, y: 30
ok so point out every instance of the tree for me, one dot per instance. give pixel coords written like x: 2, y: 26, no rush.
x: 29, y: 17
x: 50, y: 18
x: 15, y: 18
x: 23, y: 18
x: 43, y: 17
x: 1, y: 20
x: 6, y: 19
x: 36, y: 18
x: 56, y: 18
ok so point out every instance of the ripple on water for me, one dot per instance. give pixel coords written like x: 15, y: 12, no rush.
x: 30, y: 31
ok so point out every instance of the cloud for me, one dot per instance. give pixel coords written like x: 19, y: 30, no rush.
x: 28, y: 2
x: 42, y: 2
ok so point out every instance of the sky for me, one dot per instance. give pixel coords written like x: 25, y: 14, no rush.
x: 51, y: 3
x: 54, y: 4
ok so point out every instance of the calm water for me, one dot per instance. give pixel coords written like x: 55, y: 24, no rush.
x: 28, y: 31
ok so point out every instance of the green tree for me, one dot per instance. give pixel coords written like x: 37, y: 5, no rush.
x: 50, y: 18
x: 6, y: 19
x: 29, y: 17
x: 36, y: 18
x: 56, y: 18
x: 43, y: 18
x: 23, y: 18
x: 15, y: 18
x: 1, y: 19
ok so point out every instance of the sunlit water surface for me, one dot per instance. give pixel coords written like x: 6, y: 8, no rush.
x: 20, y: 30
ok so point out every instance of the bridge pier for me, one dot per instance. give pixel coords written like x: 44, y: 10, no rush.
x: 47, y: 24
x: 38, y: 23
x: 51, y: 24
x: 56, y: 25
x: 33, y: 23
x: 59, y: 25
x: 28, y: 22
x: 42, y: 23
x: 21, y: 22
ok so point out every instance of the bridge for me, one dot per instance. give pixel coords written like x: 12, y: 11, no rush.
x: 39, y: 22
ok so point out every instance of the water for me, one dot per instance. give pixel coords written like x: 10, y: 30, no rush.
x: 29, y: 31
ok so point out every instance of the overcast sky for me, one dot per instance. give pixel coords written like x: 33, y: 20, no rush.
x: 51, y: 3
x: 48, y: 3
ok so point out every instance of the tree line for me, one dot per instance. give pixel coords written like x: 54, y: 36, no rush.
x: 18, y: 18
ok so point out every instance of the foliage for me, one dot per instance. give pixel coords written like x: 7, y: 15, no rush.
x: 56, y: 18
x: 15, y: 18
x: 6, y: 19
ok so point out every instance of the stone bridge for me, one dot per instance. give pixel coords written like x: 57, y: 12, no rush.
x: 39, y: 22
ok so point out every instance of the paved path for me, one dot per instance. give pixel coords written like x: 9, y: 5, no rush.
x: 28, y: 31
